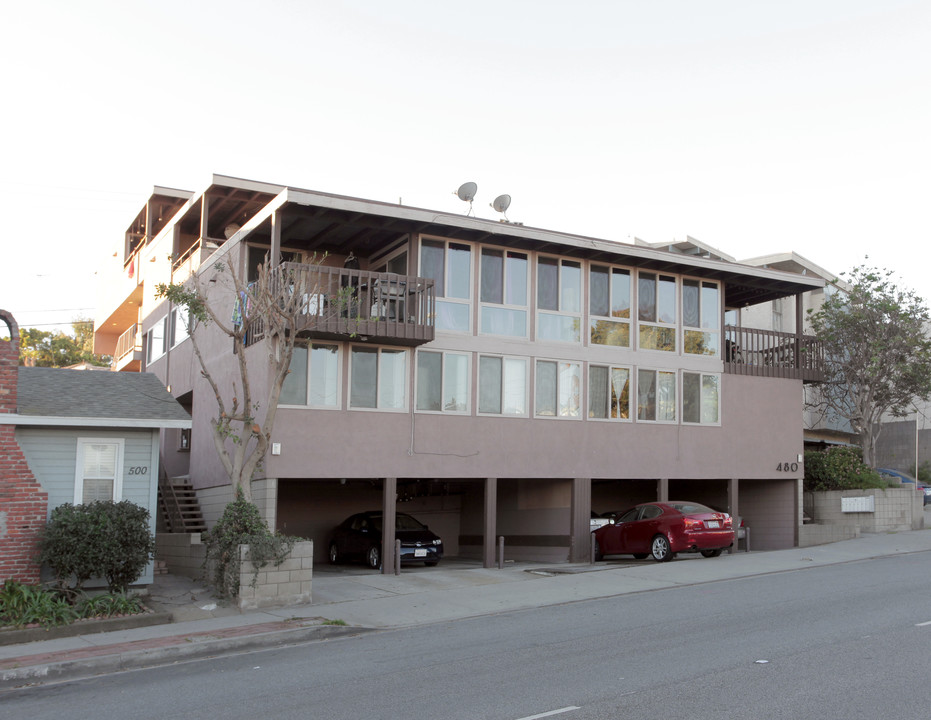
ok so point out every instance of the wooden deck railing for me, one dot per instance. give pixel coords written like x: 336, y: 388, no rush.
x: 767, y: 353
x: 341, y: 303
x: 126, y: 342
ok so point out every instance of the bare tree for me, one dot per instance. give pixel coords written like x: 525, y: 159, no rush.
x: 877, y: 353
x: 271, y: 310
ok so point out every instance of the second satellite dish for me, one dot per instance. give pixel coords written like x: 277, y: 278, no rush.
x: 501, y: 204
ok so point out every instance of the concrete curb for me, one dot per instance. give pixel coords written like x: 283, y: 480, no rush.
x: 196, y: 646
x: 90, y: 627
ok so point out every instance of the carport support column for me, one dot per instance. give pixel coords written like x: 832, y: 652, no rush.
x: 732, y: 507
x: 489, y: 525
x: 389, y: 511
x: 580, y: 540
x: 662, y: 490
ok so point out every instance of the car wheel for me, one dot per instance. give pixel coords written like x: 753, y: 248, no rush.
x: 598, y: 554
x: 661, y: 550
x: 640, y: 556
x: 373, y: 557
x: 711, y: 553
x: 334, y: 554
x: 431, y: 563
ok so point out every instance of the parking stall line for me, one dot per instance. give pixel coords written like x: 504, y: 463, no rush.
x: 569, y: 708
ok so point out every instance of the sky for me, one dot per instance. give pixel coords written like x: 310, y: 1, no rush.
x: 755, y: 127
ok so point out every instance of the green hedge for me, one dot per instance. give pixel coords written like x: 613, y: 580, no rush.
x: 839, y: 468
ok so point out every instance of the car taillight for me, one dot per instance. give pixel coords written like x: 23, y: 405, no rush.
x: 693, y: 524
x: 728, y: 521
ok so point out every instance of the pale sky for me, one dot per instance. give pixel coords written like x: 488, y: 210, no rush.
x: 756, y: 127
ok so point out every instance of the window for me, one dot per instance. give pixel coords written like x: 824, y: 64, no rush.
x: 184, y: 440
x: 396, y: 264
x: 656, y: 311
x: 177, y: 331
x: 313, y: 378
x: 504, y: 292
x: 558, y: 389
x: 656, y: 396
x: 608, y: 392
x: 700, y: 398
x: 559, y: 299
x: 442, y: 382
x: 257, y: 256
x: 449, y: 264
x: 156, y: 344
x: 777, y: 315
x: 378, y: 378
x: 502, y: 386
x: 700, y: 317
x: 99, y: 470
x: 609, y: 306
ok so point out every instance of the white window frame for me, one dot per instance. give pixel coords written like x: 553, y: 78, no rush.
x: 701, y: 384
x: 674, y: 325
x: 700, y: 328
x: 178, y: 322
x: 503, y: 380
x: 675, y: 401
x: 504, y: 304
x: 405, y: 391
x: 154, y: 353
x: 561, y: 312
x: 628, y: 321
x: 82, y: 443
x: 560, y: 390
x: 444, y: 388
x: 308, y: 346
x: 445, y: 298
x: 631, y: 393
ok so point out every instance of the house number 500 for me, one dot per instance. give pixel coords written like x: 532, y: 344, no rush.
x: 787, y: 467
x: 138, y: 470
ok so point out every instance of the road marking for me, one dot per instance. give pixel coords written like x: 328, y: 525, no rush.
x: 923, y: 624
x: 551, y: 712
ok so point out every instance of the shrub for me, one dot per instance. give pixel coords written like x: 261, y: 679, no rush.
x: 241, y: 524
x: 839, y: 468
x: 22, y: 605
x: 99, y: 539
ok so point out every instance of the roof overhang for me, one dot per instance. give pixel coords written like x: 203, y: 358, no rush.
x: 55, y: 421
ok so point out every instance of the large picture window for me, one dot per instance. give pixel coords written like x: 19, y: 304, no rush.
x: 656, y: 396
x: 656, y: 312
x: 502, y: 386
x: 609, y: 306
x: 558, y: 389
x: 378, y: 378
x: 503, y: 292
x: 608, y: 392
x: 313, y: 378
x: 449, y: 265
x: 99, y: 471
x: 442, y: 382
x: 559, y: 299
x: 701, y: 317
x: 700, y: 398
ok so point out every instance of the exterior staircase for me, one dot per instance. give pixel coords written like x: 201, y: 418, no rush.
x: 180, y: 508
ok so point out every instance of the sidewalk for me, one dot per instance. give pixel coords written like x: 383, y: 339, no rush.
x: 367, y: 601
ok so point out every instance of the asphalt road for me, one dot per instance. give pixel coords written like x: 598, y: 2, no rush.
x: 844, y: 641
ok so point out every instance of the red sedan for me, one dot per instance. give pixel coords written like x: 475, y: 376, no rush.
x: 664, y: 529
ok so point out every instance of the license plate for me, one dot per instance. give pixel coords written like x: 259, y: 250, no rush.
x: 714, y: 524
x: 420, y: 552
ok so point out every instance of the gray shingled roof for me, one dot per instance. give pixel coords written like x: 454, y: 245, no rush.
x: 56, y: 392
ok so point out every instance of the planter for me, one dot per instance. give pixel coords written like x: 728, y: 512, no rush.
x: 277, y: 586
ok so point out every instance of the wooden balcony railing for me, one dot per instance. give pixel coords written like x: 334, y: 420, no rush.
x: 341, y: 304
x: 767, y: 353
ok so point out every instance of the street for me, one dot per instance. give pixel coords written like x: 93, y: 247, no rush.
x: 844, y: 640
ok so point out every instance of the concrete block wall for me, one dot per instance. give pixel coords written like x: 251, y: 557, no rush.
x: 896, y: 510
x: 281, y: 586
x: 812, y: 534
x: 213, y: 500
x: 183, y: 553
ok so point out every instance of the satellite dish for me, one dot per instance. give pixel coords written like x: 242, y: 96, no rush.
x: 501, y: 204
x: 466, y: 193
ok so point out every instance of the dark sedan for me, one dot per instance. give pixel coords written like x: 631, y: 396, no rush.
x: 664, y: 529
x: 359, y: 538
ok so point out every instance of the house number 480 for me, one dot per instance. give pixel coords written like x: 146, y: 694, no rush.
x: 787, y: 467
x: 138, y: 470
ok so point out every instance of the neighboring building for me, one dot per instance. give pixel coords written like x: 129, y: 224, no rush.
x: 496, y: 379
x: 72, y: 437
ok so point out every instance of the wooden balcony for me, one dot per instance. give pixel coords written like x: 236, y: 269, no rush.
x: 346, y: 304
x: 767, y: 353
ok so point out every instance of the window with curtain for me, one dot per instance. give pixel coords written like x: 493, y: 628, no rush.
x: 504, y: 290
x: 656, y: 396
x: 99, y: 470
x: 656, y: 312
x: 378, y: 378
x: 609, y: 305
x: 608, y: 392
x: 701, y: 313
x: 502, y: 386
x: 559, y: 299
x: 449, y: 265
x: 442, y: 382
x: 701, y: 398
x: 313, y: 378
x: 558, y: 389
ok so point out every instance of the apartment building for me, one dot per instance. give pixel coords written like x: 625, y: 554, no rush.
x: 490, y: 378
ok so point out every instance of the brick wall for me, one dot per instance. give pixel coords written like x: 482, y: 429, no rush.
x: 23, y: 502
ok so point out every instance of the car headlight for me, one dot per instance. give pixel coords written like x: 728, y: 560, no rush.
x: 437, y: 542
